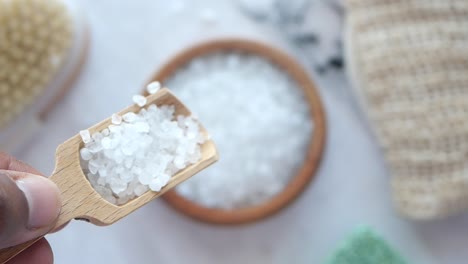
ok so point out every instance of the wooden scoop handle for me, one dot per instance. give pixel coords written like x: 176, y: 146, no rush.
x: 65, y: 216
x: 70, y: 189
x: 80, y: 200
x: 8, y: 253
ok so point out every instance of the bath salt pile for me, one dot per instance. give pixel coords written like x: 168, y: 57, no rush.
x: 140, y: 151
x: 259, y: 121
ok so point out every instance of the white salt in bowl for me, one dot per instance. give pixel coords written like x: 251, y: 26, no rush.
x: 303, y: 175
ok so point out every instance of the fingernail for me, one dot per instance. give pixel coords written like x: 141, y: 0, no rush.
x: 43, y: 198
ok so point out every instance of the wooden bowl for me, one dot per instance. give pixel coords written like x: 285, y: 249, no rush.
x: 304, y: 175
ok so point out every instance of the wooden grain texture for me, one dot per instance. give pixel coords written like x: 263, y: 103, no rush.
x: 317, y: 139
x: 78, y: 196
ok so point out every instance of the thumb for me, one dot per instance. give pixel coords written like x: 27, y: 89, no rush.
x: 29, y: 206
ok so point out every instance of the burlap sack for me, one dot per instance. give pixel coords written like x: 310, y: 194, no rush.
x: 409, y: 60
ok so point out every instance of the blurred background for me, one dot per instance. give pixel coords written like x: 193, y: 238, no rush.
x: 131, y: 40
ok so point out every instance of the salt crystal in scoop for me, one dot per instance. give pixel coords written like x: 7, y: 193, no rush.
x: 139, y: 100
x: 85, y: 136
x: 129, y: 117
x: 86, y: 154
x: 120, y: 161
x: 153, y: 87
x: 116, y: 119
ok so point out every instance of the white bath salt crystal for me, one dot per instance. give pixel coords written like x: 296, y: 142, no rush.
x: 105, y: 193
x: 86, y: 154
x: 116, y: 119
x: 152, y: 108
x: 164, y: 178
x: 156, y: 185
x: 117, y: 186
x: 126, y: 177
x: 140, y: 189
x: 130, y: 191
x: 139, y: 100
x: 153, y: 87
x: 179, y: 162
x: 143, y: 113
x: 101, y: 181
x: 106, y: 143
x: 128, y: 162
x: 97, y: 136
x: 93, y: 146
x: 105, y: 132
x: 92, y: 169
x: 85, y: 136
x: 129, y: 117
x: 128, y: 149
x: 113, y: 129
x: 102, y: 172
x: 123, y: 200
x: 145, y: 178
x: 136, y: 170
x: 147, y: 140
x: 137, y: 152
x: 275, y: 126
x: 142, y: 127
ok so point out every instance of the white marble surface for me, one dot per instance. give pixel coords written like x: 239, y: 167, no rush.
x: 130, y: 40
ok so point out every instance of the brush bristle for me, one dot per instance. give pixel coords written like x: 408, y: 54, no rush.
x: 35, y: 36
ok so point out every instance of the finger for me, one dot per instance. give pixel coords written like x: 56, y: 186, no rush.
x: 56, y: 229
x: 7, y: 162
x: 29, y: 207
x: 39, y: 253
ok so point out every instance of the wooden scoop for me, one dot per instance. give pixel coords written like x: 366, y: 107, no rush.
x: 82, y: 202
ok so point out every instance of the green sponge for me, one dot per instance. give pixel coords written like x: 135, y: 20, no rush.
x: 365, y: 247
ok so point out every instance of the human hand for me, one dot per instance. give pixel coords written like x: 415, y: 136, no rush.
x: 29, y: 207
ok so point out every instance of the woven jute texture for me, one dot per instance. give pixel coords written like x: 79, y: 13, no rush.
x: 411, y: 58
